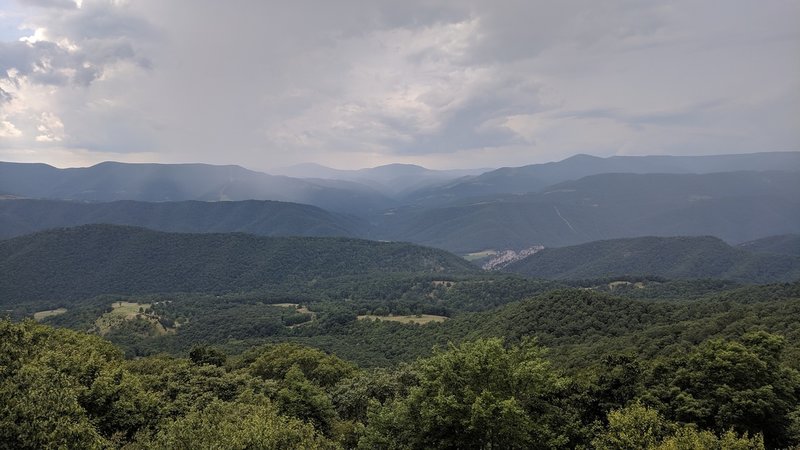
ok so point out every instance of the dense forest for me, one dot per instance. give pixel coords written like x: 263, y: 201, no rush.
x: 104, y: 259
x: 635, y: 363
x: 63, y: 388
x: 669, y: 257
x: 785, y: 244
x: 263, y: 218
x: 511, y: 362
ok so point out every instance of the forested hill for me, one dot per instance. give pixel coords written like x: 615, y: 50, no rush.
x: 785, y: 244
x: 97, y: 259
x: 671, y: 257
x: 734, y: 206
x: 264, y: 218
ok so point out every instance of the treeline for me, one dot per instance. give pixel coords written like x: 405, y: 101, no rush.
x: 61, y: 388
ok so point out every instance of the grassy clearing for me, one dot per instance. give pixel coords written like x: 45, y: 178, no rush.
x: 128, y: 309
x: 300, y: 309
x: 122, y: 311
x: 614, y: 284
x: 41, y: 315
x: 421, y: 319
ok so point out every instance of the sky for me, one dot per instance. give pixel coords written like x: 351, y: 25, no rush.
x: 351, y: 84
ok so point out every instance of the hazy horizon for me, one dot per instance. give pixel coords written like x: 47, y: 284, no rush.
x: 455, y: 85
x: 280, y: 170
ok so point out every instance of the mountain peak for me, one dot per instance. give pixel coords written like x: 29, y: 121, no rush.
x: 582, y: 157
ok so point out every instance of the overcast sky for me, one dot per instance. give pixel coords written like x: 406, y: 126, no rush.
x: 351, y: 84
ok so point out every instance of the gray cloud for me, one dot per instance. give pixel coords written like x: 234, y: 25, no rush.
x: 59, y: 4
x: 687, y: 115
x: 478, y: 121
x: 76, y: 46
x: 353, y: 83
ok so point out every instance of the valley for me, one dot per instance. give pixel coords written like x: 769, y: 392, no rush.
x: 606, y: 288
x: 724, y: 197
x: 386, y: 225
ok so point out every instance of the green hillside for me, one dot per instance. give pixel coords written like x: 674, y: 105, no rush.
x: 672, y: 257
x: 63, y: 388
x: 101, y: 259
x: 580, y: 322
x: 264, y: 218
x: 579, y: 368
x: 580, y: 325
x: 785, y: 244
x: 734, y: 206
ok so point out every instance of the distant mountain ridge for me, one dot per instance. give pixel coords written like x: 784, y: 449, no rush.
x: 553, y: 204
x: 393, y: 179
x: 90, y: 260
x: 669, y: 257
x: 353, y: 191
x: 734, y: 206
x: 111, y: 181
x: 534, y: 177
x: 263, y: 218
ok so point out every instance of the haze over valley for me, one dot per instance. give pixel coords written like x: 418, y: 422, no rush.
x: 303, y: 288
x: 383, y: 225
x: 737, y: 198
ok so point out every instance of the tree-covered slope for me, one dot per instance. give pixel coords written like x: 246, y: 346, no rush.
x: 264, y: 218
x: 785, y: 244
x: 96, y: 259
x: 580, y: 325
x: 67, y: 389
x: 671, y: 257
x: 563, y: 318
x: 734, y: 206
